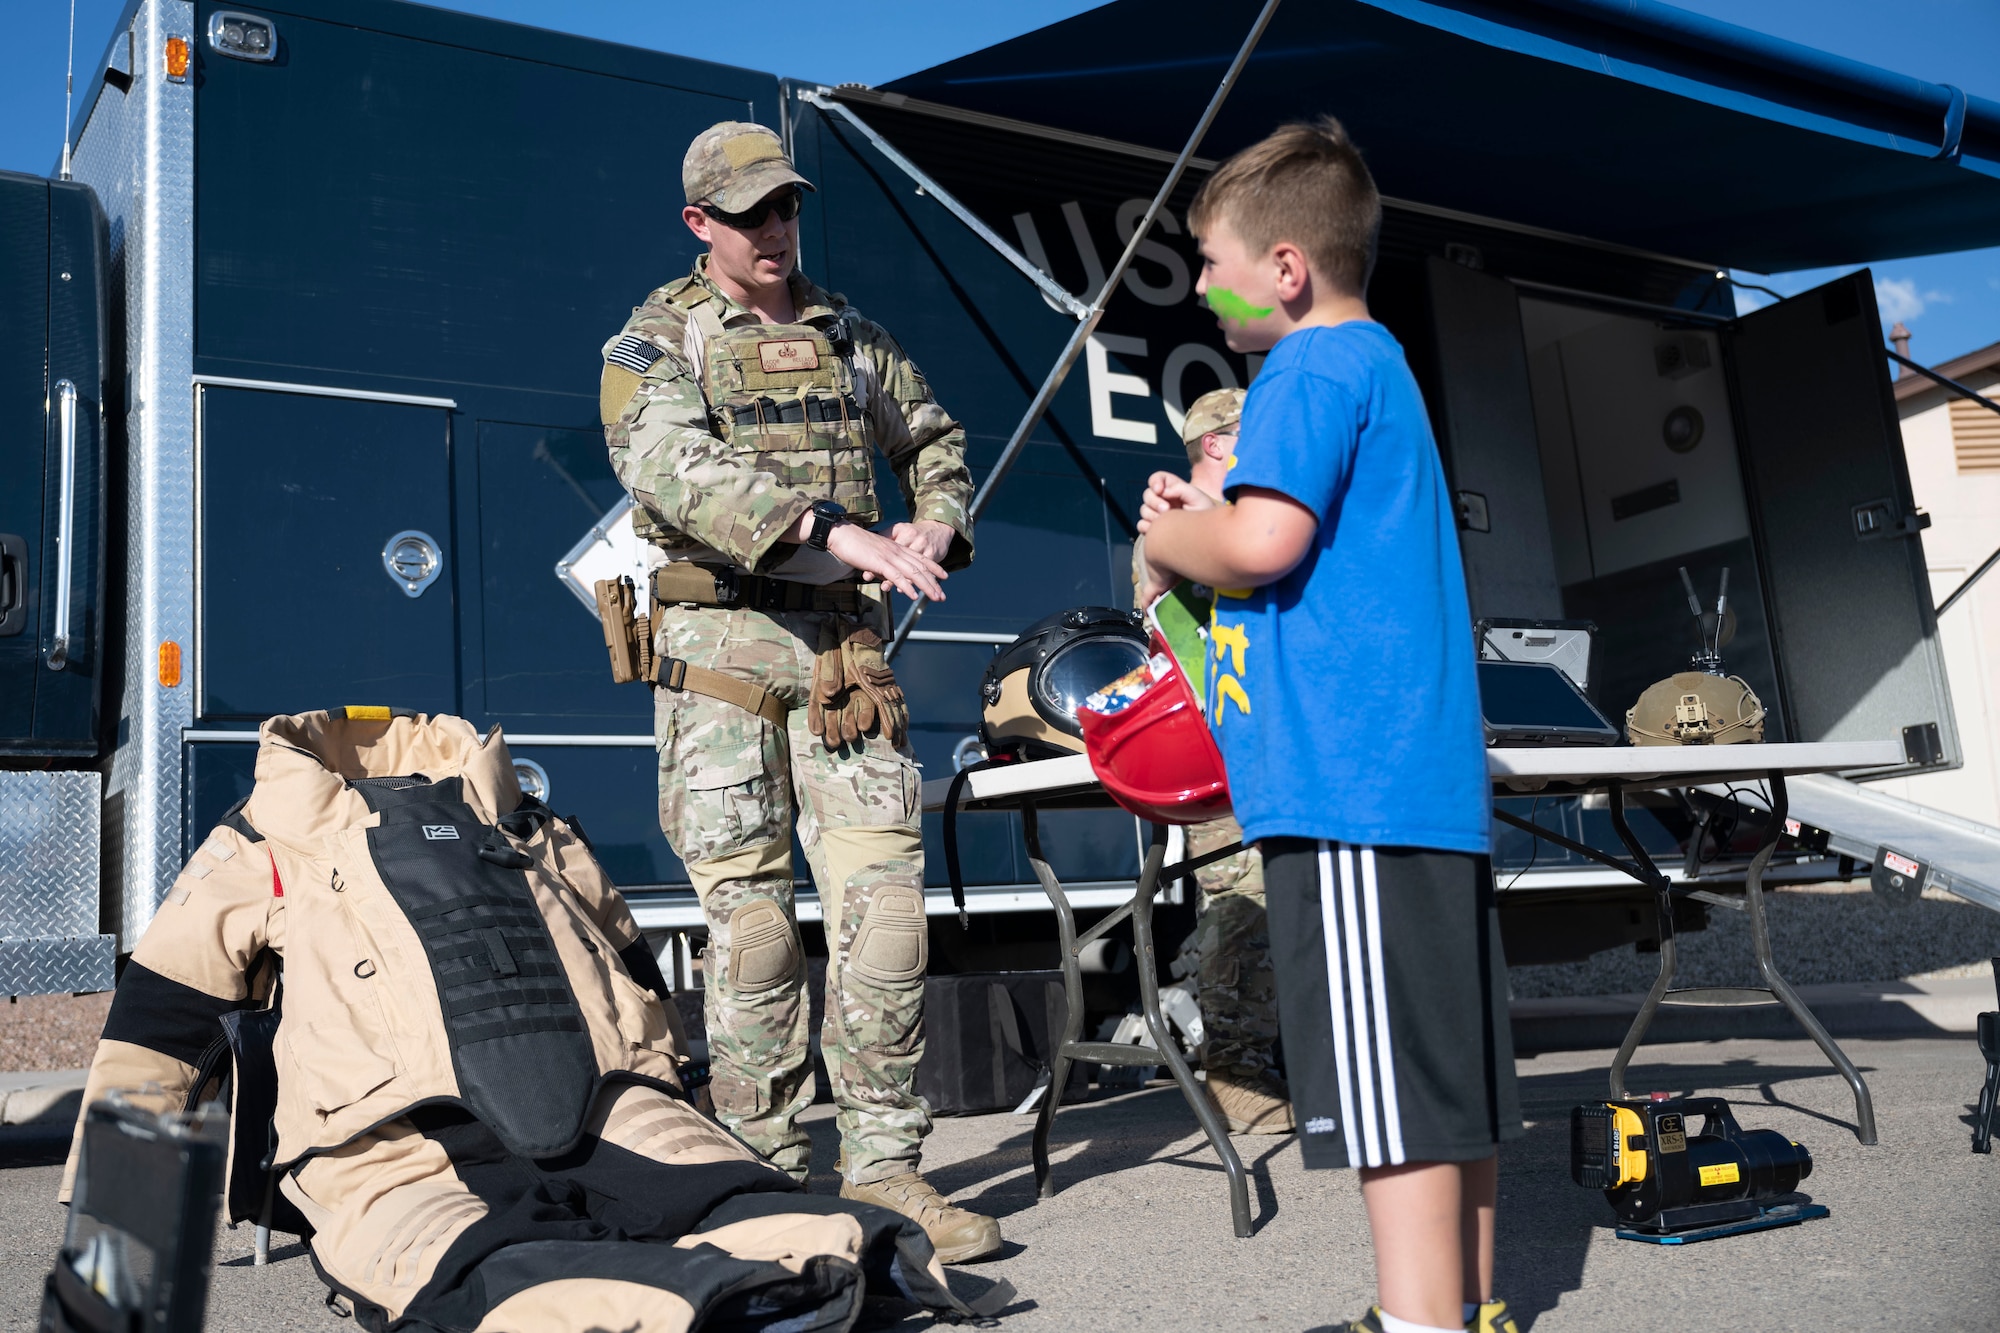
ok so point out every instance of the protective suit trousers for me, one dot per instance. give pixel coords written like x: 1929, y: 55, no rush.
x: 733, y: 787
x: 658, y: 1222
x: 1236, y: 988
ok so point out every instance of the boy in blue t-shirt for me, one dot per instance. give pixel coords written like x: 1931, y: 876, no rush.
x: 1345, y: 702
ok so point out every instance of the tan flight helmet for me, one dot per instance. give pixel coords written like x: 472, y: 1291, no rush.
x: 1704, y: 705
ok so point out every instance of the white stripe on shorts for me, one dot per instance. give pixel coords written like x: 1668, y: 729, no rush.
x: 1357, y: 996
x: 1357, y: 1003
x: 1328, y: 926
x: 1392, y: 1113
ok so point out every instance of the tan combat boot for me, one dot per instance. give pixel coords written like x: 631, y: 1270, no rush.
x: 958, y: 1236
x: 1252, y: 1104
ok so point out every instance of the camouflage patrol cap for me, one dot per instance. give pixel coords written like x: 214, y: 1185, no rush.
x: 734, y: 164
x: 1215, y: 412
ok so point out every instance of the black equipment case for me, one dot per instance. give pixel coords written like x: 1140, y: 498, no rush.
x: 991, y: 1039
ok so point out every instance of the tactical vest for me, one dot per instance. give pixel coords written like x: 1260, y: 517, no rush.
x: 784, y: 396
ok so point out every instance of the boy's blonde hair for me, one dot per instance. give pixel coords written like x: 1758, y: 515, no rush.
x: 1305, y: 183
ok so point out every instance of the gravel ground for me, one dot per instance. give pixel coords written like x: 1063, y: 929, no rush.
x: 51, y: 1031
x: 1820, y: 933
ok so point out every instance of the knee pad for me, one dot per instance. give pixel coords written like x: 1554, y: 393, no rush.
x: 763, y: 947
x: 892, y: 946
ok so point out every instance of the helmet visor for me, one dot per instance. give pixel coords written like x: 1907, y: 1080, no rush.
x: 1078, y: 669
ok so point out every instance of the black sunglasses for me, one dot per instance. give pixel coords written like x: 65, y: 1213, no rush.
x: 787, y: 205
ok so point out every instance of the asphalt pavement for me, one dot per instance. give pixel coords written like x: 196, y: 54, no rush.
x: 1138, y: 1236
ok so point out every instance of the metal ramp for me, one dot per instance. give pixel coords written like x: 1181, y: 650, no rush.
x: 1959, y: 855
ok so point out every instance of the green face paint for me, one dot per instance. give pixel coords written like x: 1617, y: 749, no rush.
x: 1230, y: 306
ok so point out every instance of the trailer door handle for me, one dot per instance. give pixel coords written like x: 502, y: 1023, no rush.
x: 65, y: 525
x: 13, y: 584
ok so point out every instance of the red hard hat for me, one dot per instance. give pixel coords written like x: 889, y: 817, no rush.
x: 1151, y: 747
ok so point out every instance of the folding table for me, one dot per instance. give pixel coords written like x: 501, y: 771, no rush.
x: 1068, y: 783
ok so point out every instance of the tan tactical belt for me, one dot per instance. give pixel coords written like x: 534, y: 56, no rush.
x: 629, y: 638
x: 673, y: 673
x: 706, y: 585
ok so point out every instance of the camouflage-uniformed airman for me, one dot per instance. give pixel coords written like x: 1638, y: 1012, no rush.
x: 743, y: 406
x: 1235, y: 986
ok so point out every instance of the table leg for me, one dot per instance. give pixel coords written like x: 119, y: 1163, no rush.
x: 1663, y: 914
x: 1147, y: 960
x: 1760, y: 943
x: 1045, y: 1115
x: 1165, y: 1051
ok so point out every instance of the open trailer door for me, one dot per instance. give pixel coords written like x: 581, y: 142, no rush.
x: 1843, y: 560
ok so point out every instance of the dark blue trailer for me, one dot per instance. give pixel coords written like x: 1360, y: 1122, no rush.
x: 356, y: 261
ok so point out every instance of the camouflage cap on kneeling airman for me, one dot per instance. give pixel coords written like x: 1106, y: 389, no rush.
x: 734, y: 164
x: 1215, y: 412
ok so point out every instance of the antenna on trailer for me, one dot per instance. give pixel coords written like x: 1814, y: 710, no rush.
x: 69, y: 87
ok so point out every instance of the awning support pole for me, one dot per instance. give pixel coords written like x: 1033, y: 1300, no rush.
x: 1966, y: 586
x: 925, y: 185
x: 1962, y: 390
x: 1972, y: 395
x: 1087, y: 324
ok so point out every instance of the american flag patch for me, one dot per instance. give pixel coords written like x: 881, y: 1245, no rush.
x: 634, y: 353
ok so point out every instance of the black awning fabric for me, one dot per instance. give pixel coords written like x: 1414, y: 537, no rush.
x: 1621, y: 120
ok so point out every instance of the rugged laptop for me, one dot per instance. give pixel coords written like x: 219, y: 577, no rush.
x: 1534, y: 703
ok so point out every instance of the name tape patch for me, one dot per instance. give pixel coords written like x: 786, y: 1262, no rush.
x: 441, y: 833
x: 787, y: 354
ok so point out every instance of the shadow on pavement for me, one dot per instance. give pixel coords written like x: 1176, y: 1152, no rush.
x: 1116, y: 1133
x: 279, y: 1254
x: 34, y: 1145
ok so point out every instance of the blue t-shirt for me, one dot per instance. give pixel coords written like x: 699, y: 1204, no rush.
x: 1344, y: 695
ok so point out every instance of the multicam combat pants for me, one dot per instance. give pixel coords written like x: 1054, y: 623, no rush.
x: 1237, y: 990
x: 732, y: 787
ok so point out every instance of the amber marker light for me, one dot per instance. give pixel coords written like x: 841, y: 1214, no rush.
x: 177, y: 65
x: 170, y: 664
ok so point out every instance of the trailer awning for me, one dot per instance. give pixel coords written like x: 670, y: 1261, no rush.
x: 1622, y: 120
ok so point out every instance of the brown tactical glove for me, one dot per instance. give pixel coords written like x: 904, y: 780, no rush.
x: 854, y: 692
x: 877, y: 697
x: 829, y: 693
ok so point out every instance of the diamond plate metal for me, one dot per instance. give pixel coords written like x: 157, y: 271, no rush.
x: 57, y: 965
x: 48, y: 885
x: 52, y: 966
x: 48, y: 854
x: 137, y: 151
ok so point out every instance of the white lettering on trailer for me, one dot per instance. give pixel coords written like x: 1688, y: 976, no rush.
x: 1105, y: 423
x: 1175, y: 289
x: 1174, y: 374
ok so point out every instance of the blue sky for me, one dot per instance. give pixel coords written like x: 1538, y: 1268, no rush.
x: 1950, y: 303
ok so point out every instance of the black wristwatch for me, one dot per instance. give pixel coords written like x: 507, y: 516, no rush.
x: 826, y: 516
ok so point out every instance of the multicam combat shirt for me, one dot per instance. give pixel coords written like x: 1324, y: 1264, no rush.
x: 699, y: 497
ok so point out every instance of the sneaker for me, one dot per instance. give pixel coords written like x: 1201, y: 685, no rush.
x: 1493, y: 1317
x: 1368, y: 1323
x: 959, y: 1236
x: 1252, y: 1104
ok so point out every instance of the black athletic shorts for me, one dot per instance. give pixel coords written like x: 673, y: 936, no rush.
x: 1392, y: 998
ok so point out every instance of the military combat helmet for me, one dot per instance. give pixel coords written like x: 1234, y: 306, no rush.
x: 735, y: 163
